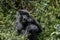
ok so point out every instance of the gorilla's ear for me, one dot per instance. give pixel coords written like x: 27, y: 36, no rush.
x: 17, y: 13
x: 18, y: 16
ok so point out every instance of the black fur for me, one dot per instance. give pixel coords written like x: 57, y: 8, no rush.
x: 24, y: 21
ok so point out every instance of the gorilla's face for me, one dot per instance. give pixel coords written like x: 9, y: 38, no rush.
x: 24, y: 18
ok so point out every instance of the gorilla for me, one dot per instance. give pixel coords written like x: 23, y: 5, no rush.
x: 25, y: 23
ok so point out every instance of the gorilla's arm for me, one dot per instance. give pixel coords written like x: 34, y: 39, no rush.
x: 36, y: 23
x: 18, y: 24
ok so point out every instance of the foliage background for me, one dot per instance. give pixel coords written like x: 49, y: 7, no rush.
x: 47, y: 12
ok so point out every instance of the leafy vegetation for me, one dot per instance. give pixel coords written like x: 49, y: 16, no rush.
x: 47, y: 12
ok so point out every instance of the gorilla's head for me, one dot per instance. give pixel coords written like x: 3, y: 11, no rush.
x: 24, y: 16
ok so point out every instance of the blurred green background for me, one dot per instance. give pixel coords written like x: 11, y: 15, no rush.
x: 47, y: 12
